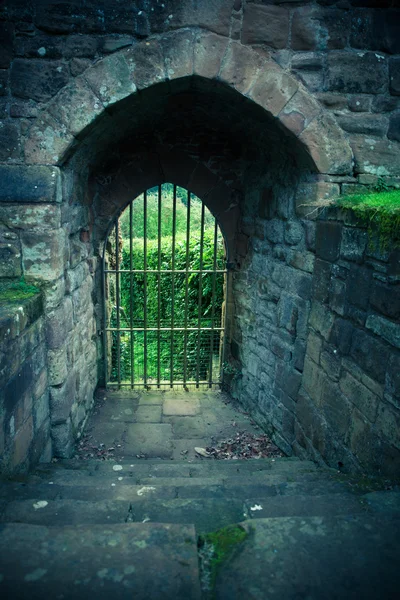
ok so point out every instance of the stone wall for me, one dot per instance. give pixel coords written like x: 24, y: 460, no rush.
x: 260, y: 108
x: 45, y: 241
x: 316, y: 338
x: 24, y: 391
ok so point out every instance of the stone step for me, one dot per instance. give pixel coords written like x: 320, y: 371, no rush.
x: 165, y: 468
x: 133, y: 560
x: 207, y: 514
x: 92, y: 488
x: 322, y: 557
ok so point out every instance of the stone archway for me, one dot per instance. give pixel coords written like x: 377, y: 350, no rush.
x: 94, y: 95
x: 104, y: 109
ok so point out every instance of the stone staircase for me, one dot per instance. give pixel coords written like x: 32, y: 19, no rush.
x: 136, y: 528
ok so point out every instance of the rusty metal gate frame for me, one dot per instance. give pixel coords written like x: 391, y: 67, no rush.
x: 221, y: 330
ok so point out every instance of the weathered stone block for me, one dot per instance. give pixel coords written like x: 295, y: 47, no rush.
x: 353, y: 244
x: 341, y: 335
x: 76, y: 106
x: 385, y: 298
x: 316, y: 28
x: 47, y: 141
x: 368, y: 124
x: 321, y: 319
x: 273, y: 88
x: 265, y: 25
x: 388, y: 330
x: 10, y: 254
x: 358, y: 286
x: 110, y: 80
x: 274, y: 230
x: 371, y: 355
x: 293, y: 281
x: 6, y: 44
x: 336, y: 409
x: 394, y: 76
x: 62, y: 438
x: 43, y: 254
x: 376, y: 157
x: 298, y: 113
x: 359, y: 73
x: 37, y: 79
x: 314, y: 346
x: 328, y: 240
x: 21, y: 443
x: 17, y: 386
x: 327, y: 146
x: 59, y: 322
x: 209, y: 50
x: 394, y: 127
x: 240, y: 67
x: 366, y: 401
x: 337, y: 296
x: 70, y: 17
x: 330, y: 361
x: 57, y: 365
x: 375, y: 29
x: 177, y: 49
x: 41, y: 410
x: 61, y: 400
x: 146, y: 64
x: 388, y: 423
x: 294, y: 233
x: 309, y: 67
x: 29, y: 184
x: 9, y: 141
x: 288, y: 379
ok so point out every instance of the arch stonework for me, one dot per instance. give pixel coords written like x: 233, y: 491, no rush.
x: 176, y: 56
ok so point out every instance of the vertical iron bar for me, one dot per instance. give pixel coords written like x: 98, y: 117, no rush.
x: 145, y: 289
x: 105, y: 314
x: 159, y: 290
x: 117, y: 285
x: 173, y: 288
x: 186, y: 290
x: 200, y: 295
x: 131, y: 291
x: 210, y: 377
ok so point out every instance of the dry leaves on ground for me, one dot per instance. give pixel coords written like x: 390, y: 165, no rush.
x: 244, y: 445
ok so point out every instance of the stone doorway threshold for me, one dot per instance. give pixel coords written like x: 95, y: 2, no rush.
x: 160, y: 424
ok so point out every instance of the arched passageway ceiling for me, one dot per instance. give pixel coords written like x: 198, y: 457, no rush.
x: 112, y: 92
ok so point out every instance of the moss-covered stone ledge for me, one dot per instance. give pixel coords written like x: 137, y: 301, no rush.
x: 24, y: 396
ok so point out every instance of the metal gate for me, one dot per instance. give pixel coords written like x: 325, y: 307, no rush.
x: 164, y: 284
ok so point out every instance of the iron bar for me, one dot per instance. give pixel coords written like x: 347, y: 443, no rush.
x: 213, y: 300
x: 165, y: 329
x: 165, y: 271
x: 200, y: 293
x: 185, y: 339
x: 117, y: 302
x: 159, y: 288
x: 132, y: 339
x: 145, y: 288
x: 173, y: 288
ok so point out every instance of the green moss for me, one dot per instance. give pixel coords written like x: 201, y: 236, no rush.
x: 363, y: 483
x: 219, y: 547
x: 380, y: 211
x: 15, y: 291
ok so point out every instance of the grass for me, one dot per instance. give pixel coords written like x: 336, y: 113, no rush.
x: 380, y: 211
x: 15, y: 291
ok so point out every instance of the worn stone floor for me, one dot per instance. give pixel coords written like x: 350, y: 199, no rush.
x: 161, y: 424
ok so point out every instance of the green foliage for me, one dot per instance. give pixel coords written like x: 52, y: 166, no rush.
x: 166, y: 214
x: 176, y: 295
x: 15, y: 291
x: 380, y: 211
